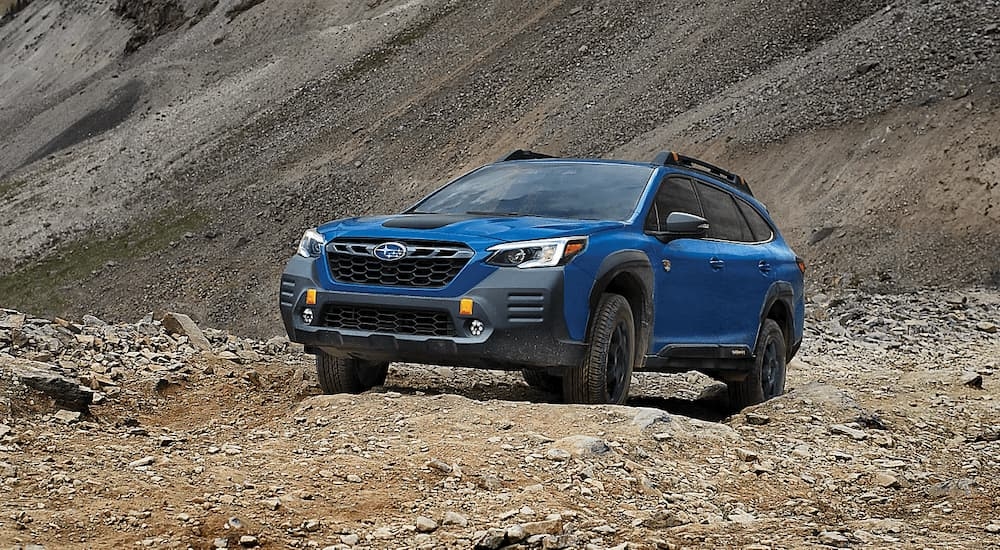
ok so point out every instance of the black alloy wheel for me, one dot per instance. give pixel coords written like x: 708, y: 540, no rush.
x: 619, y: 361
x: 772, y: 369
x: 766, y: 378
x: 606, y: 372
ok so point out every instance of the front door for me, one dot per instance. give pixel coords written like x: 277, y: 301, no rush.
x: 688, y: 293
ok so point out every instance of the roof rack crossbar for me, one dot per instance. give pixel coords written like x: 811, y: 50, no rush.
x: 524, y: 154
x: 667, y: 158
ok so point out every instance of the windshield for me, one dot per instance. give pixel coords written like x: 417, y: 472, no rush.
x: 589, y: 191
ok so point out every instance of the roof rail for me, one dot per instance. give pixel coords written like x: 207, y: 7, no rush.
x: 524, y: 154
x: 665, y: 158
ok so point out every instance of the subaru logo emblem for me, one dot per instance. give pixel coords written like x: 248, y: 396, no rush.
x: 389, y: 252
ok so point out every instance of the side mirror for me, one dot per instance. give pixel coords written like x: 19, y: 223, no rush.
x: 682, y: 224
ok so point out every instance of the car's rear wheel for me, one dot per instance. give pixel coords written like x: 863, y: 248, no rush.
x: 606, y: 372
x: 767, y: 376
x: 542, y: 380
x: 348, y: 375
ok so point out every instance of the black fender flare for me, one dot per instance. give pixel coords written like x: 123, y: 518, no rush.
x: 780, y: 292
x: 636, y: 265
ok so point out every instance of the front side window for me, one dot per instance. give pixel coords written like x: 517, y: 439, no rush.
x: 551, y: 189
x: 675, y: 195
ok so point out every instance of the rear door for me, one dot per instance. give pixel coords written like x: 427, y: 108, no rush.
x: 743, y: 268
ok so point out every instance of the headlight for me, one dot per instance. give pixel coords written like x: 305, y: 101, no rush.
x: 541, y: 253
x: 311, y: 245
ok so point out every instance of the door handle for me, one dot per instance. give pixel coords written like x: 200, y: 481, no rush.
x: 716, y: 263
x: 764, y: 267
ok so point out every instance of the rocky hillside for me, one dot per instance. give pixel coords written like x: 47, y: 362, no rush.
x: 183, y: 437
x: 167, y: 154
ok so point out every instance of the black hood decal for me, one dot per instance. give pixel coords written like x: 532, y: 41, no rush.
x: 425, y: 221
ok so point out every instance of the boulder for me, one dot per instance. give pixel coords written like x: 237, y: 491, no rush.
x: 178, y: 323
x: 67, y: 392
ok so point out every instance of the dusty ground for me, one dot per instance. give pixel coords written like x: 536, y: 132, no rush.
x: 887, y: 437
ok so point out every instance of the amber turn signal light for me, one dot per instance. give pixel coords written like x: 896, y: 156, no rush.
x: 573, y: 248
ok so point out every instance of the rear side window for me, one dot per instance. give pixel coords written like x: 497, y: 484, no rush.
x: 759, y: 227
x: 675, y: 195
x: 724, y: 219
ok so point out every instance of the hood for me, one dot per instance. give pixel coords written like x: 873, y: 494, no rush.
x: 462, y: 227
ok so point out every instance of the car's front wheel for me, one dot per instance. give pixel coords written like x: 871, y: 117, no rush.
x: 348, y: 375
x: 606, y: 372
x: 767, y: 375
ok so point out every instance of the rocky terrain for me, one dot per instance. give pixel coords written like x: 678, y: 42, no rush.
x: 194, y: 438
x: 168, y: 154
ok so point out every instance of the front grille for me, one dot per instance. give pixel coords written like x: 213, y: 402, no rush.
x: 392, y: 321
x: 426, y: 264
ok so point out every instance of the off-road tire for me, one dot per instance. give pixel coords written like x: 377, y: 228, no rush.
x: 542, y: 380
x: 606, y: 372
x: 347, y: 375
x: 767, y: 376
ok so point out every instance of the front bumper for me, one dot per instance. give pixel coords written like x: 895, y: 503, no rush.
x: 521, y: 312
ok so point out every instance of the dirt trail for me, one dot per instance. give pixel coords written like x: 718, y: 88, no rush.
x: 886, y: 438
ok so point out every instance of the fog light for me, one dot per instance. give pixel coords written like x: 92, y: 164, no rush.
x: 307, y: 316
x: 476, y: 327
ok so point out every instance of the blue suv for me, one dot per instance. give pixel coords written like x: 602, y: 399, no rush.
x: 577, y: 272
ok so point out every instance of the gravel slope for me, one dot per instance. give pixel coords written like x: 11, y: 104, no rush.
x: 179, y: 175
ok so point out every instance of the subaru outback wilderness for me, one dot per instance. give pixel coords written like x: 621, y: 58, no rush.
x: 578, y: 272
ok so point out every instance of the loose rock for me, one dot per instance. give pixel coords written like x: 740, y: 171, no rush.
x: 178, y: 323
x: 425, y: 524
